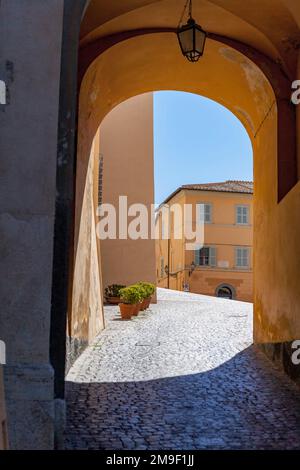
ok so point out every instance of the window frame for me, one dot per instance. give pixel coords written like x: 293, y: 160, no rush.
x: 210, y: 205
x: 210, y: 257
x: 244, y: 248
x: 243, y: 206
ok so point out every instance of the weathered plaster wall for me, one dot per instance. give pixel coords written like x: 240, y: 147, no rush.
x: 126, y: 143
x: 30, y: 65
x: 268, y: 25
x: 276, y: 247
x: 87, y: 314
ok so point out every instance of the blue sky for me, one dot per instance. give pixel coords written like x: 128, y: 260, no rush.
x: 196, y: 140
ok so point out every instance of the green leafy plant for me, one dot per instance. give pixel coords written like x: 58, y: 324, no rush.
x: 148, y: 288
x: 113, y: 290
x: 131, y: 295
x: 142, y: 290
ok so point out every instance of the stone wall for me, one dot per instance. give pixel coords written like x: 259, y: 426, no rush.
x: 3, y: 421
x: 30, y: 66
x: 281, y: 355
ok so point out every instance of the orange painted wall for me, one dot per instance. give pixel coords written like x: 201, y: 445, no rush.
x: 223, y: 234
x: 126, y: 144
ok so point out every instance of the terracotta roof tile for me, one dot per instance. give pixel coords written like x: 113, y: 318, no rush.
x: 229, y: 186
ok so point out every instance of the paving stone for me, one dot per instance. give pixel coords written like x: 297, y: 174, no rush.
x: 184, y: 375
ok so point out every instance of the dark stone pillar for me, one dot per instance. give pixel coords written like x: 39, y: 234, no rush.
x: 30, y: 37
x: 64, y: 203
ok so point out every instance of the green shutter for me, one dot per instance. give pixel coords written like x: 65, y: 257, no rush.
x: 212, y: 256
x: 201, y: 213
x: 238, y: 257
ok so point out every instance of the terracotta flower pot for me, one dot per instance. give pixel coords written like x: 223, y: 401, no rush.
x: 126, y: 311
x: 148, y: 302
x: 137, y: 308
x: 113, y: 300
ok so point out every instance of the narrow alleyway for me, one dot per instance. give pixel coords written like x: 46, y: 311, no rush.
x: 183, y: 375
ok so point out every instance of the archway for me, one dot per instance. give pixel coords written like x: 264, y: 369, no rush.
x: 225, y: 291
x: 122, y: 71
x: 115, y: 66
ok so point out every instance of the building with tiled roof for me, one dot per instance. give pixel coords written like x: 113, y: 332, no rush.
x: 222, y: 265
x: 232, y: 186
x: 229, y: 186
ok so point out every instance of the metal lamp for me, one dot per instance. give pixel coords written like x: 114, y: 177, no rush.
x: 192, y: 268
x: 191, y: 38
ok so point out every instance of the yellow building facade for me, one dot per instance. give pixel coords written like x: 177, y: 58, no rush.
x: 222, y: 265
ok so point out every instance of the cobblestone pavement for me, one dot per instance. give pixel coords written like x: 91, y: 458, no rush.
x: 183, y: 375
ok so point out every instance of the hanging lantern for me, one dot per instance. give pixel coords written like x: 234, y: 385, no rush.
x: 191, y: 38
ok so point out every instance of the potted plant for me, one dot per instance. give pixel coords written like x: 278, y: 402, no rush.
x: 148, y: 290
x: 143, y: 294
x: 112, y: 293
x: 130, y: 300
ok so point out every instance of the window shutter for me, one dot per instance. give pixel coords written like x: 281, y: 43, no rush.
x: 242, y: 257
x: 201, y: 212
x: 212, y: 256
x: 237, y: 257
x: 246, y: 258
x: 242, y: 215
x: 246, y: 219
x: 208, y: 213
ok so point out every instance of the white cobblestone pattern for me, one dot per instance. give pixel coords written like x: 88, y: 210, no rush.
x: 183, y: 375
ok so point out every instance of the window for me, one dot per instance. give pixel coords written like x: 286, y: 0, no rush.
x: 205, y: 213
x: 242, y: 257
x: 162, y: 267
x: 242, y: 215
x: 206, y: 256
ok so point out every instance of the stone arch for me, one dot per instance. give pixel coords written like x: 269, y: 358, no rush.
x: 122, y: 72
x: 101, y: 90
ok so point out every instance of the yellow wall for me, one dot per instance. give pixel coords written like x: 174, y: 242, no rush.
x: 223, y: 234
x: 175, y: 247
x: 298, y: 119
x: 87, y: 309
x: 126, y: 143
x: 154, y: 62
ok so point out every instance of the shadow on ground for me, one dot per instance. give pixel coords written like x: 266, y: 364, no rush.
x: 243, y: 404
